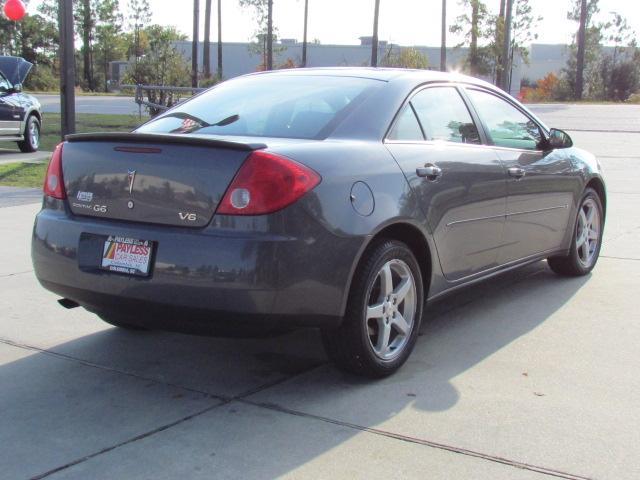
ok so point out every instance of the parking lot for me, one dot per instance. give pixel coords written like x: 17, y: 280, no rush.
x: 527, y: 376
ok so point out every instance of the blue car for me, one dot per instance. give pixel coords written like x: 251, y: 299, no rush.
x: 20, y: 114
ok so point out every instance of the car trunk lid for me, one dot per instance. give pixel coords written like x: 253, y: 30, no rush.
x: 150, y: 178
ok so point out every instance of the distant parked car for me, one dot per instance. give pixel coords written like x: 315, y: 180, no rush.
x: 335, y: 198
x: 20, y: 115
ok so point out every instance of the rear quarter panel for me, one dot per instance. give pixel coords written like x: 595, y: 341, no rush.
x: 341, y: 164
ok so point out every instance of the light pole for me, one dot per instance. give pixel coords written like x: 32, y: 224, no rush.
x: 443, y: 42
x: 304, y: 35
x: 374, y: 40
x: 269, y: 34
x: 220, y: 39
x: 194, y: 44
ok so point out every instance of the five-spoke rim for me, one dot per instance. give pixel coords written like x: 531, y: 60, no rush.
x: 391, y: 309
x: 34, y: 134
x: 588, y: 232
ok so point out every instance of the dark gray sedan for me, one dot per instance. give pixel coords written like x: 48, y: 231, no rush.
x: 343, y: 199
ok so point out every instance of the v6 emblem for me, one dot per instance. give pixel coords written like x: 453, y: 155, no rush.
x: 189, y: 217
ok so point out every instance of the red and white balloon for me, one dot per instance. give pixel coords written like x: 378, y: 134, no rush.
x: 14, y: 10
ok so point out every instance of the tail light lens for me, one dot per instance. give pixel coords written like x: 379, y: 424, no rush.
x: 266, y: 183
x: 53, y: 182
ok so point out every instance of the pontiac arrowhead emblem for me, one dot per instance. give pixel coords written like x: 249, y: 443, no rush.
x: 131, y: 175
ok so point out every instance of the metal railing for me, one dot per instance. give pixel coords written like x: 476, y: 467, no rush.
x: 158, y: 100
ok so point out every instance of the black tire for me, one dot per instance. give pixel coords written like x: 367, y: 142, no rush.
x: 30, y: 143
x: 350, y: 346
x: 119, y: 322
x: 573, y: 264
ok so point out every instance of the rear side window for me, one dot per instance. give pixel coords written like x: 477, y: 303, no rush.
x: 444, y: 116
x: 294, y: 106
x: 508, y: 126
x: 407, y: 127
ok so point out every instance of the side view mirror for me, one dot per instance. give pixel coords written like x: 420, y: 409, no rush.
x: 559, y: 139
x: 17, y: 88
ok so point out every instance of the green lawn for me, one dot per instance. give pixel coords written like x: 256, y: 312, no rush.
x: 86, y: 122
x: 20, y: 174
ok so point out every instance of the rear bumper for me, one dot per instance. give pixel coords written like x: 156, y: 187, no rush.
x: 201, y: 278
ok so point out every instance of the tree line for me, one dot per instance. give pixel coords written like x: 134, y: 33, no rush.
x: 106, y: 34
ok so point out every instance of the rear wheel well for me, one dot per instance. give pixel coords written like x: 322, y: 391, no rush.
x: 598, y: 186
x: 414, y: 239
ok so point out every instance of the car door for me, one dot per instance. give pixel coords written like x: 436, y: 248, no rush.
x: 540, y: 187
x: 460, y: 184
x: 9, y: 124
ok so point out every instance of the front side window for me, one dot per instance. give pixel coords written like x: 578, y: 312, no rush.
x: 508, y: 126
x: 286, y: 106
x: 444, y: 116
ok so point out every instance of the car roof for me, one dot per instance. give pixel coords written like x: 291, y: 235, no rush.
x: 380, y: 73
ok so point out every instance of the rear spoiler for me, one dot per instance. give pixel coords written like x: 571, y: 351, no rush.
x: 164, y: 139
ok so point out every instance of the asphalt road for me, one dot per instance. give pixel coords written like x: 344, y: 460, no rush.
x: 527, y: 376
x: 92, y: 104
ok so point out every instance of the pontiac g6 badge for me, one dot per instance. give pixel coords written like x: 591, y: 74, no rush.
x: 131, y: 175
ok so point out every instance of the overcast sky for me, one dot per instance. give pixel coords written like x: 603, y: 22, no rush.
x: 405, y: 22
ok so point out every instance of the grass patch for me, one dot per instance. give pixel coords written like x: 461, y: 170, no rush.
x: 20, y: 174
x: 86, y: 123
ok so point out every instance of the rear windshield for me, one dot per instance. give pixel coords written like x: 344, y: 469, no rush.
x: 293, y: 106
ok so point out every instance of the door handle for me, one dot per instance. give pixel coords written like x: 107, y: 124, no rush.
x: 516, y: 172
x: 430, y: 171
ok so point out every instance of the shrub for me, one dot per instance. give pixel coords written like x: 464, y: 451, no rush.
x: 547, y: 89
x: 41, y: 78
x: 405, y: 58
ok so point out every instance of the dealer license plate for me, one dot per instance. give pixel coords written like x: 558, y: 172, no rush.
x: 127, y: 255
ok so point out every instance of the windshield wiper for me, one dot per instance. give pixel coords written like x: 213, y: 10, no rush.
x: 226, y: 121
x: 191, y: 123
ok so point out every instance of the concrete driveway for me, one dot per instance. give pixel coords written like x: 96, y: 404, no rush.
x: 528, y: 376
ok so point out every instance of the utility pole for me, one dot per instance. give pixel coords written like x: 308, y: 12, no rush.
x: 269, y: 34
x: 374, y: 40
x: 304, y: 35
x: 206, y: 49
x: 219, y: 39
x: 443, y: 42
x: 194, y: 44
x: 505, y: 82
x: 67, y: 68
x: 581, y: 45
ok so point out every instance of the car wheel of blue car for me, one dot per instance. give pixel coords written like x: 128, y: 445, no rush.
x: 31, y: 140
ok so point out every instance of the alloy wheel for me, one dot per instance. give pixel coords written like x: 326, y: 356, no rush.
x: 391, y: 309
x: 588, y: 232
x: 34, y: 134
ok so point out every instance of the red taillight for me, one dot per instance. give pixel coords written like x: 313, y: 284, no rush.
x: 53, y: 182
x: 266, y: 183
